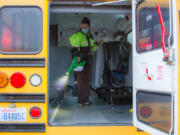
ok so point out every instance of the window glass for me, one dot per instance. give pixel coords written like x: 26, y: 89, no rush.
x: 154, y: 109
x: 20, y: 29
x: 149, y: 28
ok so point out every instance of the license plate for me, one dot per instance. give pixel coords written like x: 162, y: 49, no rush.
x: 13, y: 114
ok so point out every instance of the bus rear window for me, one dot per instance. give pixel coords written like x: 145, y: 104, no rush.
x: 20, y: 30
x: 149, y: 28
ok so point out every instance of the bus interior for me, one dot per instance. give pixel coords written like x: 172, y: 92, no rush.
x: 111, y: 79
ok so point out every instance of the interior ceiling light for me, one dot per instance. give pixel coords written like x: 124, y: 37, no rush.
x: 110, y: 2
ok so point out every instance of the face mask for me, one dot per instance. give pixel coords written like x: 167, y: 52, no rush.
x: 85, y: 31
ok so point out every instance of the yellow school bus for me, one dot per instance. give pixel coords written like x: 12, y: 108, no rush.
x: 35, y: 54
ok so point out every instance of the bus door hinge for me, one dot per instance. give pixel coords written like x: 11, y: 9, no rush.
x: 171, y: 56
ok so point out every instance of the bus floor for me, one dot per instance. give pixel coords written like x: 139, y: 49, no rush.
x: 68, y: 113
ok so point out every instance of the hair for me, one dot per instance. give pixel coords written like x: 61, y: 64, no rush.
x: 85, y: 21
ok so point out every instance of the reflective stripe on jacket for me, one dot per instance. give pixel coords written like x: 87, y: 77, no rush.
x: 79, y: 40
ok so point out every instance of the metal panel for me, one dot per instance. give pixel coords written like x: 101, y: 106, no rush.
x: 25, y: 98
x: 22, y: 62
x: 22, y: 127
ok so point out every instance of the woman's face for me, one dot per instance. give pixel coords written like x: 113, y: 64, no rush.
x: 84, y: 26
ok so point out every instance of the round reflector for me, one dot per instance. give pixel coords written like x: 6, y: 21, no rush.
x: 145, y: 112
x: 35, y: 80
x: 35, y: 112
x: 3, y: 80
x: 17, y: 80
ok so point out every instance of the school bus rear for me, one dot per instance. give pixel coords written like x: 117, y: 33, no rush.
x: 23, y: 74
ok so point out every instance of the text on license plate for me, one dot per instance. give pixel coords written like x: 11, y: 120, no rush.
x: 13, y: 114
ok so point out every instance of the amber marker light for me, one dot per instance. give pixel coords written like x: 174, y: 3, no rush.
x: 3, y: 80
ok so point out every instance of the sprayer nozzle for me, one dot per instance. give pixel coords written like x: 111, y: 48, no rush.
x: 67, y: 73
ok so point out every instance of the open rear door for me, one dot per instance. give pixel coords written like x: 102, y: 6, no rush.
x: 154, y: 69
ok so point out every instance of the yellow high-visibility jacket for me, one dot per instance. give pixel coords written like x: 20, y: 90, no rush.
x: 79, y: 40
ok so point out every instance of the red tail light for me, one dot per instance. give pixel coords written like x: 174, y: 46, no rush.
x: 35, y: 112
x: 17, y: 80
x: 145, y: 112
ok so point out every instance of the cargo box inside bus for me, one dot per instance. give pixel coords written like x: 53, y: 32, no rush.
x: 111, y: 75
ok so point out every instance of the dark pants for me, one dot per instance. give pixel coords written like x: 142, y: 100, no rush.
x: 83, y: 83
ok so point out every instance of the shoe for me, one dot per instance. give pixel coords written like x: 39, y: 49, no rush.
x: 81, y: 104
x: 88, y: 103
